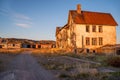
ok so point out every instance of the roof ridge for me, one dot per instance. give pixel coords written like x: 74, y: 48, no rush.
x: 92, y: 11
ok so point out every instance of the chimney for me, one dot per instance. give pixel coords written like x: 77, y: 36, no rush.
x: 79, y: 9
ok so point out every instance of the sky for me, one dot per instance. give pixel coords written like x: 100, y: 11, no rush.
x: 38, y: 19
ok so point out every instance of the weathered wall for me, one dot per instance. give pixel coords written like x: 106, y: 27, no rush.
x: 46, y: 45
x: 11, y: 45
x: 108, y: 34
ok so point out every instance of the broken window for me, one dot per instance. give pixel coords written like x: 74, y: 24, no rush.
x: 100, y: 29
x: 87, y: 41
x: 100, y: 41
x: 87, y: 28
x: 94, y: 41
x: 93, y: 28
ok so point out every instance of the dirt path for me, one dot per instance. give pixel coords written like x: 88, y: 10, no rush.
x: 25, y: 67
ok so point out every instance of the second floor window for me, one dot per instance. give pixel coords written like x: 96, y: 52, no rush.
x: 87, y: 28
x: 93, y: 28
x: 100, y: 29
x: 94, y: 41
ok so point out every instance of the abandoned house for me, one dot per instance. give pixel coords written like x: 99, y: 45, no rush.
x: 86, y: 31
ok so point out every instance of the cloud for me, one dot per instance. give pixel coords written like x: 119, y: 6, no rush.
x: 19, y: 19
x: 22, y: 20
x: 21, y: 16
x: 23, y: 25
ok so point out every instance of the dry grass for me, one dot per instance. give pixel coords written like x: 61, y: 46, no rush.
x: 51, y: 51
x: 113, y: 61
x: 11, y: 51
x: 67, y: 69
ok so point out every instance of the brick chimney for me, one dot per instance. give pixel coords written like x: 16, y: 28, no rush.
x: 79, y: 9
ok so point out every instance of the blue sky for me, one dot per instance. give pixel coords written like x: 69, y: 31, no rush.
x: 37, y: 19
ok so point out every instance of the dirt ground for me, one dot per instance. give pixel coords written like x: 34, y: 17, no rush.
x: 25, y: 67
x: 5, y: 59
x: 61, y: 66
x: 68, y: 68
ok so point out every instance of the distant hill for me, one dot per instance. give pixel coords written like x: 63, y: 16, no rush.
x: 17, y: 40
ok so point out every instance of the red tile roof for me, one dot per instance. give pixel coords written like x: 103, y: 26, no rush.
x: 95, y: 18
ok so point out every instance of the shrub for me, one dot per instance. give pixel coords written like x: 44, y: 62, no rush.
x: 82, y: 75
x: 115, y: 74
x: 63, y: 75
x: 114, y: 61
x: 67, y: 67
x: 0, y: 62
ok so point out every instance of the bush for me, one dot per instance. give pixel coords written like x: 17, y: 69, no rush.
x: 114, y: 61
x: 115, y: 74
x: 63, y: 75
x: 83, y: 75
x: 0, y: 62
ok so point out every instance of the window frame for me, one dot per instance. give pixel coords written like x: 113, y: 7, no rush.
x: 94, y: 28
x: 87, y: 28
x: 100, y: 41
x: 87, y: 41
x: 94, y: 41
x: 100, y: 28
x: 13, y: 45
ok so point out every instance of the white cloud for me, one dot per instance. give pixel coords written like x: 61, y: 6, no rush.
x: 20, y: 19
x: 23, y: 25
x: 21, y: 16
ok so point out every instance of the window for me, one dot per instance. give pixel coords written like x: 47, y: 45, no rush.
x: 94, y: 41
x: 94, y: 28
x: 100, y: 29
x: 87, y: 41
x: 100, y: 41
x: 13, y: 45
x: 87, y: 28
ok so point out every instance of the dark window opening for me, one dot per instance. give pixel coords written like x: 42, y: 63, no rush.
x: 87, y: 41
x: 94, y: 41
x: 93, y: 51
x: 87, y: 28
x: 28, y: 46
x: 87, y: 50
x: 94, y: 28
x: 39, y: 46
x: 13, y: 45
x: 100, y: 29
x: 100, y: 41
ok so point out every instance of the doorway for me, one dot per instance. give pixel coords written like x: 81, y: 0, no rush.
x: 87, y: 50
